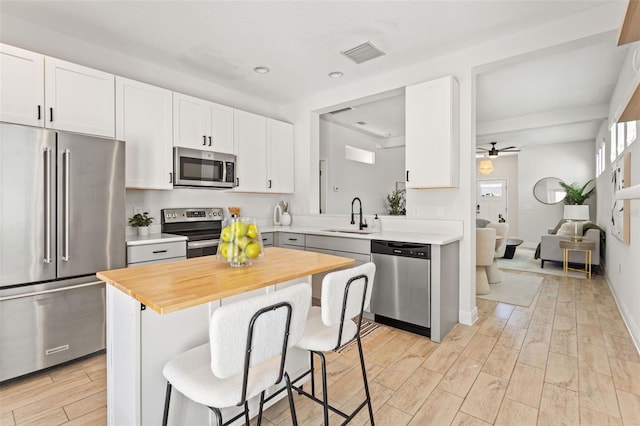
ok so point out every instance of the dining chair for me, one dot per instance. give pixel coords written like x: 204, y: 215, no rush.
x: 246, y: 353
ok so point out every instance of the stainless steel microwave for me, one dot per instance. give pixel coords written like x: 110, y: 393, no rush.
x: 194, y: 167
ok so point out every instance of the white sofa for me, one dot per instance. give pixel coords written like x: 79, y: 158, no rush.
x: 550, y: 248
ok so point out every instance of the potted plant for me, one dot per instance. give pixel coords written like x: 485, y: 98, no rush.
x: 141, y: 221
x: 397, y: 202
x: 576, y: 195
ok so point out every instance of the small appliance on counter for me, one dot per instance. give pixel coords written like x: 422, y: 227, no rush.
x: 201, y: 226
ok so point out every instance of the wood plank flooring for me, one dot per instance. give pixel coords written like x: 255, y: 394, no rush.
x: 566, y: 359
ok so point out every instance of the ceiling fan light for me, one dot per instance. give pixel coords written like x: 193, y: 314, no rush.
x: 486, y: 167
x: 493, y: 154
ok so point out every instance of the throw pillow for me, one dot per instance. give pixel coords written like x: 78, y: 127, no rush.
x: 565, y: 229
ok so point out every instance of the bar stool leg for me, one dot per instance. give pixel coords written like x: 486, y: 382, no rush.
x: 218, y: 415
x: 325, y: 398
x: 313, y: 381
x: 292, y: 406
x: 167, y: 399
x: 364, y: 377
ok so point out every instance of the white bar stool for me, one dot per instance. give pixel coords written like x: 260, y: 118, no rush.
x: 246, y: 353
x: 345, y: 295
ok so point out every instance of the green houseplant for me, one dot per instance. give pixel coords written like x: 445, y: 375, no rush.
x: 397, y: 202
x: 576, y: 194
x: 141, y: 221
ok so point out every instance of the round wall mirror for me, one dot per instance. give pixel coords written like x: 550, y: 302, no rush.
x: 548, y: 190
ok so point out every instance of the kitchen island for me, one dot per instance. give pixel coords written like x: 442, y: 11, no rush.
x: 157, y: 311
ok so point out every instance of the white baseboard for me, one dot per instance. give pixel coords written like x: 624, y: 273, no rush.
x: 468, y: 318
x: 631, y: 328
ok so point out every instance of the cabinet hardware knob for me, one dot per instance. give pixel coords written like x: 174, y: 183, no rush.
x: 209, y: 140
x: 39, y: 113
x: 407, y: 175
x: 170, y: 177
x: 269, y: 184
x: 204, y: 140
x: 50, y: 114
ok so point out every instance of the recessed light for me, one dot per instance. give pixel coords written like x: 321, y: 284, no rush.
x: 336, y: 74
x: 261, y: 70
x: 362, y: 123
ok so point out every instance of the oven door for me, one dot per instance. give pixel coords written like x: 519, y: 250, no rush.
x: 194, y: 167
x: 202, y: 248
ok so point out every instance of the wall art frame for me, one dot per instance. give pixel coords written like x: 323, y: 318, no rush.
x: 620, y: 209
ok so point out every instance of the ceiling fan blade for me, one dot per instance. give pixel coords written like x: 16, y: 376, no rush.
x: 484, y: 149
x: 509, y: 147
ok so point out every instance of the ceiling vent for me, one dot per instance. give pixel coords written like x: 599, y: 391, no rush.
x: 338, y: 111
x: 363, y: 53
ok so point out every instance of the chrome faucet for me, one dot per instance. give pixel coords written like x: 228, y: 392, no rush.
x: 361, y: 225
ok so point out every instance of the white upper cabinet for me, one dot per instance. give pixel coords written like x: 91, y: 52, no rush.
x: 200, y: 124
x: 264, y: 154
x: 280, y: 157
x: 251, y: 151
x: 79, y: 99
x: 144, y: 121
x: 21, y: 86
x: 432, y: 139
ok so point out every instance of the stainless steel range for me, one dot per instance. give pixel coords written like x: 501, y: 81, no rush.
x: 201, y: 226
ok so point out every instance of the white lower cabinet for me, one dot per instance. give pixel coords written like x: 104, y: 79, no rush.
x: 144, y: 120
x: 140, y: 342
x: 145, y: 254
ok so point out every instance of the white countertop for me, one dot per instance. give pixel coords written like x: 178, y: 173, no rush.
x: 409, y: 237
x: 140, y: 240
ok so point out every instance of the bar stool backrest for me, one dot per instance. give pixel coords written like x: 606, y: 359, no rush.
x: 230, y: 325
x: 334, y: 285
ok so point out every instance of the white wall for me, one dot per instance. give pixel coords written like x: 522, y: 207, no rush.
x: 622, y: 267
x: 506, y: 167
x: 369, y: 182
x: 570, y: 162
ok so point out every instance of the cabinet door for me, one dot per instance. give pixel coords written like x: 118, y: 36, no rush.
x: 191, y: 122
x: 79, y: 99
x: 280, y: 157
x: 144, y: 121
x: 221, y: 128
x: 432, y: 134
x: 251, y: 149
x: 21, y: 86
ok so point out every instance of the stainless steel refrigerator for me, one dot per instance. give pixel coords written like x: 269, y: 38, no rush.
x: 62, y: 219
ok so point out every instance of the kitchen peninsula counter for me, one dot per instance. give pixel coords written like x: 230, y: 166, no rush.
x: 172, y: 286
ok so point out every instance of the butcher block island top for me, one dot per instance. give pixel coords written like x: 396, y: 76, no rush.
x: 172, y: 286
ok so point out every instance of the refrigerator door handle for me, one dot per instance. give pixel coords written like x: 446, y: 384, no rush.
x: 55, y: 290
x: 66, y: 159
x: 47, y: 205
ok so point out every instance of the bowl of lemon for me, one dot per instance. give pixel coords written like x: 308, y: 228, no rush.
x: 240, y: 242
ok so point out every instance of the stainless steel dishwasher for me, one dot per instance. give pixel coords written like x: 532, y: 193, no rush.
x: 401, y: 294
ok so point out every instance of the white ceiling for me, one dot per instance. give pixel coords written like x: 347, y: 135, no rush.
x: 300, y: 41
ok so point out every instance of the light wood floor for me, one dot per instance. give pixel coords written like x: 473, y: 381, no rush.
x: 566, y: 359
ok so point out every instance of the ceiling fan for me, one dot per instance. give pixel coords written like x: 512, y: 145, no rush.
x: 493, y: 152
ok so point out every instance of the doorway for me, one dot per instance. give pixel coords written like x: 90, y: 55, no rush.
x: 491, y: 200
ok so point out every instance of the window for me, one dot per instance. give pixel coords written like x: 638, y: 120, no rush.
x: 631, y: 132
x: 620, y: 137
x: 361, y: 155
x: 614, y: 153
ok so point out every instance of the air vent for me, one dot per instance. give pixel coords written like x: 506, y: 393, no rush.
x: 363, y: 53
x: 338, y: 111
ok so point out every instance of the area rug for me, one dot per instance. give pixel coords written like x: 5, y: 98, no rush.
x: 366, y: 328
x: 514, y: 289
x: 523, y: 261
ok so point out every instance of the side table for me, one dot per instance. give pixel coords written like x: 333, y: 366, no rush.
x: 586, y: 246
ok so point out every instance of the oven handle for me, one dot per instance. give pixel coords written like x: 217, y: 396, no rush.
x: 202, y: 244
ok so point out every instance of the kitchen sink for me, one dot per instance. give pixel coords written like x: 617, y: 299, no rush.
x: 350, y: 231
